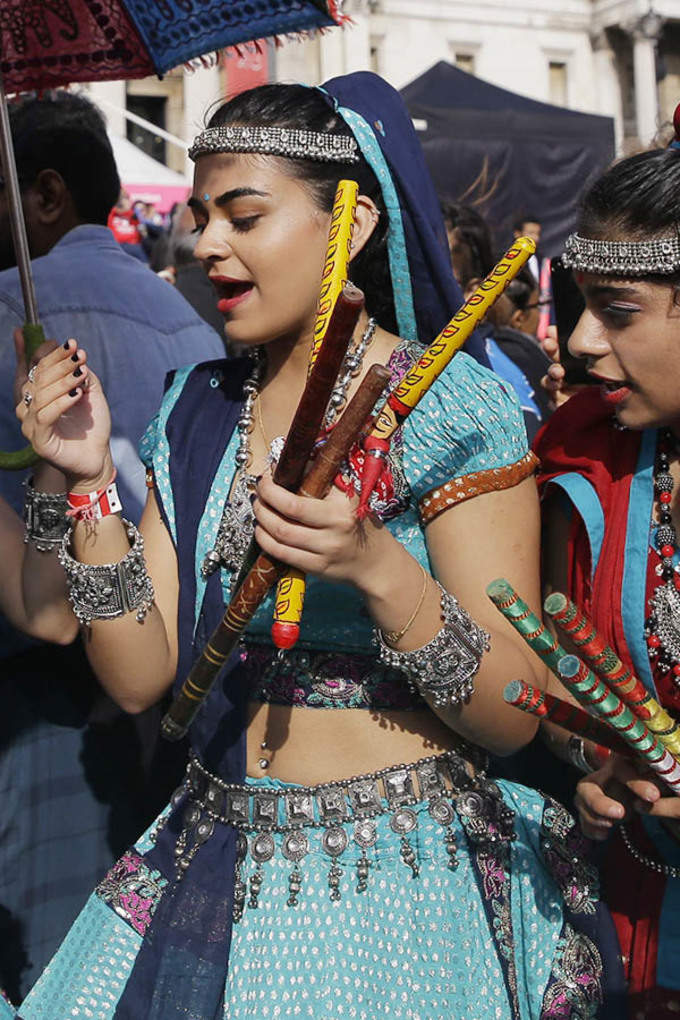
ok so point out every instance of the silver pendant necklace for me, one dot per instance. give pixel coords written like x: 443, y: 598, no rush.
x: 237, y: 524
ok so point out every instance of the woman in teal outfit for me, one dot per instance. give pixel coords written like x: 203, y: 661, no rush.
x: 302, y: 869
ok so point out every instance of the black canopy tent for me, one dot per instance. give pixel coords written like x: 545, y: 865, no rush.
x: 529, y: 157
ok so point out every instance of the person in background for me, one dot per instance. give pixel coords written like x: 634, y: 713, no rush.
x: 125, y: 226
x: 511, y: 352
x: 185, y: 272
x: 75, y: 772
x: 530, y: 226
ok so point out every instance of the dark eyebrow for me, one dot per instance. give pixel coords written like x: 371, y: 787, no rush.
x: 229, y: 196
x: 595, y: 290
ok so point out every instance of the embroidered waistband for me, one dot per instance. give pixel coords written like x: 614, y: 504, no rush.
x: 345, y: 811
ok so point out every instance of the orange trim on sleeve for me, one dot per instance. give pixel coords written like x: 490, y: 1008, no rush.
x: 458, y: 490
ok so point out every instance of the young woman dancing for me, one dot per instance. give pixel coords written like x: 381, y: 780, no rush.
x: 302, y: 869
x: 609, y: 471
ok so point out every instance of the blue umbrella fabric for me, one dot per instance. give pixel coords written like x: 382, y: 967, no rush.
x: 46, y: 43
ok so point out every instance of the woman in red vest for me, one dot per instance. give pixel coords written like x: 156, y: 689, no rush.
x: 610, y: 470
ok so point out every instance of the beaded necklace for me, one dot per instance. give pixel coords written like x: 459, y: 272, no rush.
x: 237, y: 525
x: 662, y: 627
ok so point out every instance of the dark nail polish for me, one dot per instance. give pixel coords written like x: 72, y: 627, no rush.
x: 258, y: 478
x: 78, y: 372
x: 74, y: 357
x: 252, y: 497
x: 73, y: 393
x: 66, y: 345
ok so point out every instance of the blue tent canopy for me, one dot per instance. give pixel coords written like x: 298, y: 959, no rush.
x: 528, y: 157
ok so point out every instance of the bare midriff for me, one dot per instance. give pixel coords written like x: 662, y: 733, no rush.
x: 318, y: 745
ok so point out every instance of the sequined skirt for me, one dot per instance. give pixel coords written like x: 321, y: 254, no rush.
x: 429, y: 914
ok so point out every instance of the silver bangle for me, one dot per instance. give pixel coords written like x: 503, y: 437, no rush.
x: 576, y: 753
x: 445, y: 668
x: 106, y: 591
x: 45, y: 518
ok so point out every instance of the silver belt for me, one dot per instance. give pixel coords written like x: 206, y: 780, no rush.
x: 442, y: 781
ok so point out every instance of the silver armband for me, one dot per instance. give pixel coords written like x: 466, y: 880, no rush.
x: 445, y: 668
x: 45, y: 518
x: 105, y: 591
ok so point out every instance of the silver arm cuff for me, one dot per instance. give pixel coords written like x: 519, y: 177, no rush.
x: 45, y: 518
x: 445, y: 668
x: 106, y: 591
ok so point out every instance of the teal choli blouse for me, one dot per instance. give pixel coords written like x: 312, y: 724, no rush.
x: 465, y: 437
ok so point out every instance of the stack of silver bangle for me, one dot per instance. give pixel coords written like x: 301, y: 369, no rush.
x: 108, y: 590
x: 444, y: 669
x: 45, y: 518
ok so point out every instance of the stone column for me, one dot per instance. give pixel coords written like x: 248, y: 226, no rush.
x: 646, y: 32
x: 610, y: 102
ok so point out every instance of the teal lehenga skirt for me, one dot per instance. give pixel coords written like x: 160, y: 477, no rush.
x: 429, y: 915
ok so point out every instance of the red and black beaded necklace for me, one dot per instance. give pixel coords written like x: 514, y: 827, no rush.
x: 662, y: 627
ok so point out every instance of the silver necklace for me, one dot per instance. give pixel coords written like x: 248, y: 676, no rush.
x: 648, y: 862
x: 237, y: 525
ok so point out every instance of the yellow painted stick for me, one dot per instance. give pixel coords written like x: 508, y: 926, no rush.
x: 290, y: 591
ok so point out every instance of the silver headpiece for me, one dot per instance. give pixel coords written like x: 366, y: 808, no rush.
x: 321, y: 146
x: 622, y: 258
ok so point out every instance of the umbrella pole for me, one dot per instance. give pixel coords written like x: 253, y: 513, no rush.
x: 16, y: 212
x: 33, y: 331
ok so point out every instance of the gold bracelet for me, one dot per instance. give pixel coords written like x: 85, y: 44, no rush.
x: 392, y: 636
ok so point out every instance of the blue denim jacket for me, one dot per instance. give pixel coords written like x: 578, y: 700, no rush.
x: 135, y: 328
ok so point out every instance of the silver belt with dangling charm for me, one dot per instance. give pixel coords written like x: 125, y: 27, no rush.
x: 444, y: 782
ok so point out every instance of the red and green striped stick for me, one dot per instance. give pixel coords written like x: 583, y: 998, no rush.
x: 606, y: 663
x: 593, y: 693
x: 526, y: 623
x: 569, y: 717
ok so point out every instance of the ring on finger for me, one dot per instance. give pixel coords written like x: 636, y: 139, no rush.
x: 28, y: 397
x: 31, y: 374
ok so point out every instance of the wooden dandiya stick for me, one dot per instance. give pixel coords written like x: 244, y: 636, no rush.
x: 304, y: 428
x: 399, y: 405
x: 290, y: 591
x: 593, y: 693
x: 526, y: 623
x: 266, y: 571
x: 562, y: 713
x: 605, y: 662
x: 434, y: 360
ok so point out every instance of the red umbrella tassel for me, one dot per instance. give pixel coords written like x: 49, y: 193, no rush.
x: 376, y: 451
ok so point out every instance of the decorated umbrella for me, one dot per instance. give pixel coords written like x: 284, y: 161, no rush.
x: 47, y: 43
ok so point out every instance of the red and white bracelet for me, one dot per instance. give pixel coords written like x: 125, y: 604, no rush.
x: 92, y: 506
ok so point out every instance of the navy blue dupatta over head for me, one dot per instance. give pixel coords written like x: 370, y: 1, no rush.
x: 426, y: 293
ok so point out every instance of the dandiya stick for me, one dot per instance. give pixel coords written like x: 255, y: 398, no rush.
x: 562, y: 713
x: 306, y: 423
x: 266, y: 571
x: 290, y: 592
x: 606, y: 663
x: 434, y: 360
x: 593, y: 693
x: 525, y: 622
x: 336, y: 263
